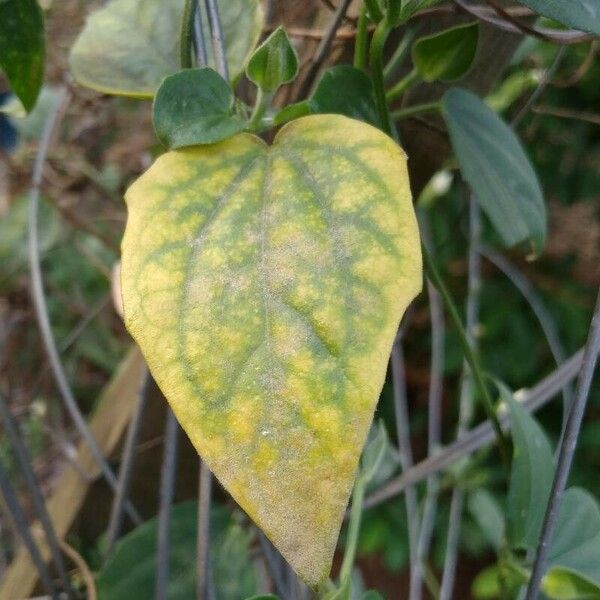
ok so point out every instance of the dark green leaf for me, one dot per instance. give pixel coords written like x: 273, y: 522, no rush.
x: 372, y: 595
x: 447, y: 55
x: 130, y: 572
x: 22, y: 48
x: 531, y: 477
x: 274, y: 62
x: 580, y: 14
x: 576, y: 542
x: 489, y: 516
x: 496, y: 167
x: 410, y: 7
x: 344, y: 90
x: 194, y: 107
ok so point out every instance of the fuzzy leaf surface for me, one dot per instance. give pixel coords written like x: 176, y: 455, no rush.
x: 264, y: 286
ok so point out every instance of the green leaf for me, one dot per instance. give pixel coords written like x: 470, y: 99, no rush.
x: 273, y: 63
x: 194, y: 106
x: 264, y: 597
x: 131, y: 570
x: 22, y: 48
x: 580, y: 14
x: 344, y: 90
x: 562, y: 584
x: 264, y: 286
x: 576, y: 542
x: 410, y: 7
x: 489, y: 516
x: 447, y: 55
x: 129, y: 46
x: 496, y: 167
x: 530, y: 479
x: 375, y: 450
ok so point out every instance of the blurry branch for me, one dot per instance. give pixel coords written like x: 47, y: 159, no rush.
x: 582, y: 69
x: 51, y: 128
x: 505, y: 21
x: 322, y: 50
x: 565, y: 113
x: 566, y: 452
x: 481, y: 436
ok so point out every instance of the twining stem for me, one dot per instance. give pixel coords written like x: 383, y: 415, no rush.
x: 376, y: 62
x: 186, y: 38
x: 417, y: 109
x: 404, y: 84
x: 400, y: 53
x: 358, y: 496
x: 361, y: 43
x: 470, y: 356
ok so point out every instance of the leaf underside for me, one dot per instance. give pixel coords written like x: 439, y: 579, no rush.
x: 264, y: 286
x: 128, y: 47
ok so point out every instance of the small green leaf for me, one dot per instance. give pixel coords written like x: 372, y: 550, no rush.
x: 128, y: 47
x: 22, y: 48
x: 274, y: 62
x: 345, y: 90
x: 447, y: 55
x: 130, y: 572
x: 562, y: 584
x: 194, y: 107
x: 375, y: 450
x: 496, y: 167
x: 410, y: 7
x: 580, y: 14
x: 576, y: 542
x: 264, y: 285
x: 489, y: 516
x: 530, y: 479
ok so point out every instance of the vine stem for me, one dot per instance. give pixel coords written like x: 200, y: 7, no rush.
x: 470, y: 356
x: 186, y: 38
x: 380, y: 36
x: 358, y: 496
x: 404, y: 84
x: 361, y: 43
x: 417, y: 109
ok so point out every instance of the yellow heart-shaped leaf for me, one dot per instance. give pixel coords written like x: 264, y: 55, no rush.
x: 264, y: 286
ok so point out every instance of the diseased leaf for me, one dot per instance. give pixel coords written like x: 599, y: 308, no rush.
x: 274, y: 62
x: 576, y: 543
x: 264, y: 286
x: 128, y: 47
x: 130, y: 572
x: 446, y: 55
x: 496, y: 167
x: 530, y: 479
x: 22, y: 48
x: 193, y: 107
x: 580, y: 14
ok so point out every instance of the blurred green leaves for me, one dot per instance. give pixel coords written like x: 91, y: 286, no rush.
x: 22, y: 48
x: 580, y: 14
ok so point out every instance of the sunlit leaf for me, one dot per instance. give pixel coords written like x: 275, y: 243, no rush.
x: 562, y: 584
x: 194, y: 106
x: 446, y: 55
x: 530, y: 479
x: 130, y: 572
x: 264, y: 286
x: 496, y: 167
x: 22, y: 48
x: 129, y: 46
x: 580, y: 14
